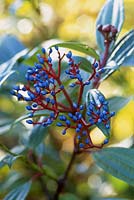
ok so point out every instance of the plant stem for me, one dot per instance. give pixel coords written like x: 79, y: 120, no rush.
x: 105, y: 57
x: 62, y: 180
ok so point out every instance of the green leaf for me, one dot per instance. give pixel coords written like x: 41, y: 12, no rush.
x: 85, y: 64
x: 129, y: 61
x: 9, y: 47
x: 111, y: 13
x: 6, y: 69
x: 117, y: 161
x: 38, y: 113
x: 93, y: 99
x: 116, y: 103
x: 8, y: 160
x: 83, y: 48
x: 37, y: 135
x: 123, y: 48
x: 19, y: 193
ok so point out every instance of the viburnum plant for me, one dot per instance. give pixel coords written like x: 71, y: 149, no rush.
x: 63, y: 92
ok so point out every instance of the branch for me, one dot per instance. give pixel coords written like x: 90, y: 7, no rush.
x: 62, y: 180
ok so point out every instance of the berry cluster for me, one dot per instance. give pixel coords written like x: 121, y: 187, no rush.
x: 44, y: 89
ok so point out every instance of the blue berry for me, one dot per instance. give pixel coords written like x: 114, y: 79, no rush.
x: 72, y: 85
x: 57, y: 48
x: 49, y: 59
x: 69, y: 54
x: 24, y: 89
x: 61, y: 87
x: 19, y: 96
x: 30, y: 114
x: 41, y: 60
x: 97, y: 75
x: 63, y: 118
x: 107, y: 126
x: 81, y: 107
x: 47, y: 100
x: 29, y: 121
x: 50, y: 50
x: 43, y: 92
x: 27, y: 98
x: 16, y: 87
x: 84, y: 133
x: 68, y: 123
x: 87, y: 83
x: 28, y: 107
x: 52, y: 93
x: 38, y: 90
x: 79, y: 116
x: 38, y: 66
x: 51, y: 80
x: 59, y: 124
x: 64, y: 132
x: 99, y: 121
x: 34, y: 105
x: 49, y: 121
x: 112, y: 114
x: 87, y: 141
x: 43, y: 50
x: 52, y: 115
x: 77, y: 130
x: 70, y: 115
x: 52, y: 101
x: 95, y: 65
x: 78, y: 137
x: 74, y: 118
x: 81, y: 145
x: 79, y: 126
x: 75, y: 105
x: 12, y: 92
x: 106, y: 141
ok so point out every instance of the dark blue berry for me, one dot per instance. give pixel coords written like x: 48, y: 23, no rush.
x: 68, y: 123
x: 77, y: 130
x: 29, y: 121
x: 43, y: 50
x: 16, y: 87
x: 64, y: 132
x: 57, y: 48
x: 95, y: 65
x: 106, y: 141
x: 28, y: 107
x: 69, y: 54
x: 81, y: 145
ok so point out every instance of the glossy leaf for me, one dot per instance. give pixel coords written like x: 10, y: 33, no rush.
x: 38, y: 113
x: 37, y: 135
x: 129, y: 61
x: 6, y: 69
x: 116, y: 103
x: 117, y: 161
x: 83, y: 48
x: 8, y: 160
x: 111, y: 13
x: 123, y: 48
x: 9, y: 47
x: 85, y: 64
x: 19, y: 193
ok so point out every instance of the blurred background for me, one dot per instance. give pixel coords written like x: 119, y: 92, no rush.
x: 34, y: 22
